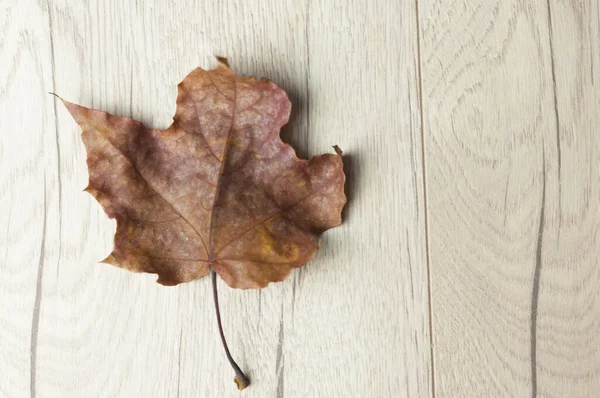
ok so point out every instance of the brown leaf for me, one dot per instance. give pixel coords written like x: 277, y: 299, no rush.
x: 218, y: 188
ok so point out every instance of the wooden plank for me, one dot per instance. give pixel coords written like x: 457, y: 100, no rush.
x: 28, y: 185
x: 568, y: 321
x: 513, y: 255
x: 358, y: 324
x: 353, y: 322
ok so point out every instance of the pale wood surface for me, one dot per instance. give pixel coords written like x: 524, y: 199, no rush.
x: 473, y: 161
x: 512, y: 168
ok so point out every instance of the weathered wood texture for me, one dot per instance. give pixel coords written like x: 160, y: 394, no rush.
x: 512, y: 168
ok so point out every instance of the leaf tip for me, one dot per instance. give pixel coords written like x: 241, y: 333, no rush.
x: 110, y: 259
x: 66, y: 103
x: 223, y: 61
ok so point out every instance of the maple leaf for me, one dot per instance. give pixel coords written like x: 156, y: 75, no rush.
x: 217, y: 190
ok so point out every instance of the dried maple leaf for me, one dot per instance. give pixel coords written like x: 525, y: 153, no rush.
x: 217, y: 190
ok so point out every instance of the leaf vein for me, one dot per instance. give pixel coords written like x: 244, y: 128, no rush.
x: 134, y: 167
x: 280, y: 211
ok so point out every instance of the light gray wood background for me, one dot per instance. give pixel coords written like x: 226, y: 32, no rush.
x: 467, y: 265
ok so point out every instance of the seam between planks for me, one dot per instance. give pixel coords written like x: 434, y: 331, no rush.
x: 56, y: 137
x: 37, y: 303
x: 425, y: 203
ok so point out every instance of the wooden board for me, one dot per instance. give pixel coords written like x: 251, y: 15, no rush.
x: 568, y: 321
x: 354, y: 322
x: 511, y: 154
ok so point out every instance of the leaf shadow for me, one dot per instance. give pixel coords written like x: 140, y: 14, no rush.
x: 351, y: 170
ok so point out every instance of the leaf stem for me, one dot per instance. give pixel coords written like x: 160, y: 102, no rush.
x: 240, y: 378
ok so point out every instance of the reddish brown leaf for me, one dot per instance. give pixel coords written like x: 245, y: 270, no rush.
x: 218, y: 188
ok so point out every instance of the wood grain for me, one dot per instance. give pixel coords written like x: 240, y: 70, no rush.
x: 511, y: 155
x: 354, y: 322
x: 568, y: 323
x: 363, y: 96
x: 470, y: 138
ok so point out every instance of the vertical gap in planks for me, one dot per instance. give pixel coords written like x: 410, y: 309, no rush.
x: 425, y: 203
